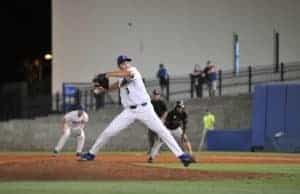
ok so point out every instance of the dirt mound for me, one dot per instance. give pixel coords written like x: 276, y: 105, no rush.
x: 120, y: 167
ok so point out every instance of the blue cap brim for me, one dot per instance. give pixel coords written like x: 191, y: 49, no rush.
x: 122, y: 61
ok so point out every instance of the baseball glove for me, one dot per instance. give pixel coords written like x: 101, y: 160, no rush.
x: 100, y: 81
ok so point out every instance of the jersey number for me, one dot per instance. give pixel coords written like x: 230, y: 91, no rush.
x: 128, y: 92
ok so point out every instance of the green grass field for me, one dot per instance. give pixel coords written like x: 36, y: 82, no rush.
x: 289, y: 183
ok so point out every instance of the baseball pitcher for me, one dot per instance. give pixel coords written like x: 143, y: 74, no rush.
x: 137, y: 106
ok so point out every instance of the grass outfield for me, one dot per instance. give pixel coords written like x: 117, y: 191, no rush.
x: 289, y: 183
x: 293, y: 169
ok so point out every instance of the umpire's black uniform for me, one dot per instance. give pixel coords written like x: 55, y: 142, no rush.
x: 160, y: 108
x: 176, y: 119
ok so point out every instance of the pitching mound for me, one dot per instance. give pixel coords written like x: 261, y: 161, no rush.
x: 121, y: 167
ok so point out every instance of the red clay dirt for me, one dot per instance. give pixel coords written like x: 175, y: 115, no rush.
x: 125, y: 166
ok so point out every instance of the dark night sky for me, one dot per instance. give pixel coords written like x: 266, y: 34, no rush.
x: 26, y: 33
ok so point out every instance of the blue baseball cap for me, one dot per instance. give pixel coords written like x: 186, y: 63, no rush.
x: 123, y: 58
x: 79, y: 107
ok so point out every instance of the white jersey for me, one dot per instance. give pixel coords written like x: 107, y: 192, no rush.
x: 75, y: 122
x: 133, y: 91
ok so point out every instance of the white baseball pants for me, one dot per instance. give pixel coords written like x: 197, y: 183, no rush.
x: 146, y: 115
x: 80, y: 135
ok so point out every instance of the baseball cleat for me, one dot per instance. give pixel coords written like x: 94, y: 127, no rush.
x: 186, y: 159
x: 78, y: 154
x: 55, y: 153
x: 150, y: 160
x: 87, y: 157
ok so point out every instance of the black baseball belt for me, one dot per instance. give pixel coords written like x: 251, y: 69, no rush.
x: 135, y: 106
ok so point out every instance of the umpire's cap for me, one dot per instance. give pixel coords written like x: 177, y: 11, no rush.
x: 123, y: 58
x: 179, y: 104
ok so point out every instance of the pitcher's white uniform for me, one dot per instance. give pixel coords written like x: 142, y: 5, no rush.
x: 73, y: 124
x: 137, y: 106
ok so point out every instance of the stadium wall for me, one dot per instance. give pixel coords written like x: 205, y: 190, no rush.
x: 41, y: 134
x: 88, y: 35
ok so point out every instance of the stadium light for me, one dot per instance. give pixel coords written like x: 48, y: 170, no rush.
x: 48, y: 56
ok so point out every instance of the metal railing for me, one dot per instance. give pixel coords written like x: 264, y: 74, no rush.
x: 183, y: 87
x: 253, y: 75
x: 179, y: 87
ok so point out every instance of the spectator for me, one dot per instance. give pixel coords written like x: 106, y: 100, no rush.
x: 160, y: 109
x: 33, y: 70
x: 198, y: 77
x: 163, y: 77
x: 208, y: 124
x: 36, y: 70
x: 211, y: 77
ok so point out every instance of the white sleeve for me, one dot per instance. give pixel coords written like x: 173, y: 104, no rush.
x: 68, y: 116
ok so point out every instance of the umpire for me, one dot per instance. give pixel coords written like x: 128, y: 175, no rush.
x: 160, y: 108
x: 176, y: 122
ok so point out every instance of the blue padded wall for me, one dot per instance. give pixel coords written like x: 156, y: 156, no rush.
x: 292, y: 117
x: 259, y: 105
x: 276, y: 102
x: 276, y: 108
x: 229, y: 140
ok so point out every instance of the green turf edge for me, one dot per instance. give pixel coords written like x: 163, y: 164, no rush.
x: 233, y: 167
x: 149, y: 187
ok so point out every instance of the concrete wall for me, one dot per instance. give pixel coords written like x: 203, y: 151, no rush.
x: 43, y: 133
x: 89, y: 34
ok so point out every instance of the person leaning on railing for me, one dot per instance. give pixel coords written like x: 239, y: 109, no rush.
x: 199, y: 79
x: 211, y: 77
